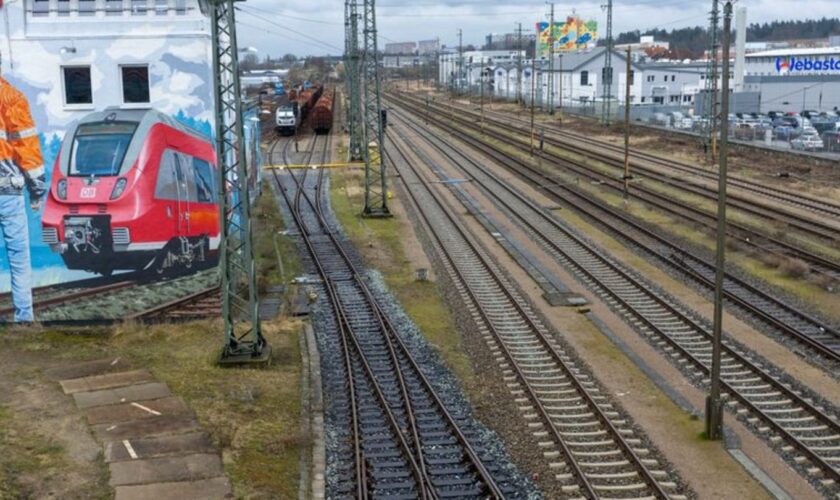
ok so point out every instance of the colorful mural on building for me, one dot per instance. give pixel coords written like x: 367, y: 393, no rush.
x: 123, y: 108
x: 573, y: 34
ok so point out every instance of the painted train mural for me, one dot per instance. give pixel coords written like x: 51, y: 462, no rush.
x: 123, y: 108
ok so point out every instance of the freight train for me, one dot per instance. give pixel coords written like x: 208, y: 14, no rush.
x: 306, y: 100
x: 321, y: 117
x: 133, y: 190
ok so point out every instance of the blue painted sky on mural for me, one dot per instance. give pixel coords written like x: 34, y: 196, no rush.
x: 315, y: 27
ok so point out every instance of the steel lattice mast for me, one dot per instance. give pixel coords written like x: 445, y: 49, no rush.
x: 376, y: 191
x: 244, y: 341
x: 352, y: 73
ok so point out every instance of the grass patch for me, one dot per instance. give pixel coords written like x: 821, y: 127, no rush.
x: 380, y: 241
x: 276, y: 256
x: 251, y: 414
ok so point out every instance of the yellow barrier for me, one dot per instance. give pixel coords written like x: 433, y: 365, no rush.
x: 315, y: 165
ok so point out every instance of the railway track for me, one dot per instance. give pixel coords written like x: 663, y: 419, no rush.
x: 758, y: 240
x: 588, y: 441
x: 795, y: 422
x: 569, y: 139
x: 786, y: 321
x: 45, y: 297
x: 405, y: 442
x: 203, y: 304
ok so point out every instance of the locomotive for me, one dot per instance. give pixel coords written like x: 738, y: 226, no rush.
x: 133, y: 190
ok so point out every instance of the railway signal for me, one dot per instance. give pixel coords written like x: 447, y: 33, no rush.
x: 244, y: 342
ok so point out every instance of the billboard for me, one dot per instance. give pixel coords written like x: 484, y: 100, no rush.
x: 572, y: 34
x: 109, y: 203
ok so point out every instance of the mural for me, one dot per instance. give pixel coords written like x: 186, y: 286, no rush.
x: 573, y: 34
x: 132, y: 187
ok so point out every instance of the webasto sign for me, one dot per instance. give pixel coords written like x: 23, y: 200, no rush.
x: 795, y: 64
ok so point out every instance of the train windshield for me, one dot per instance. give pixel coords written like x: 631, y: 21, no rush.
x: 99, y: 148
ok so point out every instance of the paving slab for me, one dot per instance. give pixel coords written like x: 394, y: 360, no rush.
x: 159, y: 446
x: 133, y: 393
x: 127, y: 412
x: 107, y: 381
x: 147, y: 427
x: 207, y: 489
x: 166, y: 469
x: 87, y: 369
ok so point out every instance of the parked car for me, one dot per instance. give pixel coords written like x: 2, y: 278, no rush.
x: 807, y: 142
x: 786, y: 132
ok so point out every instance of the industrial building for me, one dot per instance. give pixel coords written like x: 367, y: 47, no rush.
x: 795, y: 79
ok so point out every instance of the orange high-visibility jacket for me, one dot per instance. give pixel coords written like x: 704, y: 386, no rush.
x: 20, y: 148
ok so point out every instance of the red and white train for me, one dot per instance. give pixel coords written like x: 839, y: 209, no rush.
x: 133, y: 190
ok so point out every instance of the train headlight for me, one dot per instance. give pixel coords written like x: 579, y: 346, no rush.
x: 61, y: 189
x: 119, y: 187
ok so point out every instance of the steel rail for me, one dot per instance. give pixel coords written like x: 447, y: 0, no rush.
x: 586, y: 205
x: 573, y: 139
x: 665, y: 203
x: 594, y: 407
x: 821, y: 462
x: 392, y: 340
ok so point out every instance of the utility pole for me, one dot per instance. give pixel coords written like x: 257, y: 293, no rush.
x: 551, y: 61
x: 460, y: 59
x: 533, y: 97
x: 353, y: 74
x: 627, y: 127
x: 560, y: 86
x: 608, y: 70
x: 481, y: 92
x: 711, y: 104
x: 714, y: 404
x: 519, y: 65
x: 244, y: 341
x: 376, y: 187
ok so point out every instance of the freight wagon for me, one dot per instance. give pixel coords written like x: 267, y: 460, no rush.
x: 321, y: 118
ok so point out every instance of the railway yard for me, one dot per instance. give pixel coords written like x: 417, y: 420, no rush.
x: 519, y: 327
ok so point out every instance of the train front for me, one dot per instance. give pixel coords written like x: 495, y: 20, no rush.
x: 104, y: 211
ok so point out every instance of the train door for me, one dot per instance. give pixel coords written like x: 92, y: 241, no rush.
x: 185, y: 184
x: 168, y: 190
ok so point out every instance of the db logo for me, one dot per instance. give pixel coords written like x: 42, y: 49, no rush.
x: 88, y: 193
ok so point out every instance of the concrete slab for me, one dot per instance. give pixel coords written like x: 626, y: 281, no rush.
x: 127, y: 412
x: 87, y: 369
x: 142, y: 392
x: 207, y: 489
x: 166, y: 470
x: 107, y: 381
x: 159, y: 446
x: 158, y: 426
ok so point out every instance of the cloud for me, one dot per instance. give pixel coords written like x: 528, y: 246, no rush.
x: 400, y: 20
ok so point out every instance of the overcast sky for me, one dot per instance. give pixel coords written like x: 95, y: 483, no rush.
x: 316, y: 27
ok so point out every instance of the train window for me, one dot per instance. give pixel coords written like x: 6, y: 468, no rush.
x: 186, y: 178
x: 166, y: 187
x: 135, y: 84
x: 204, y: 181
x: 99, y: 148
x: 77, y: 85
